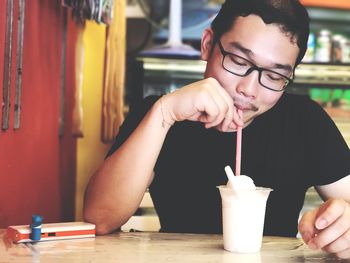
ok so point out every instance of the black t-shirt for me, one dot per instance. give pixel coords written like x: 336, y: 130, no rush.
x: 289, y: 148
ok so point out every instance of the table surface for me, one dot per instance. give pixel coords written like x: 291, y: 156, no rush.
x: 156, y: 247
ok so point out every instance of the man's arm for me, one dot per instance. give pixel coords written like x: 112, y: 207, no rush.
x: 339, y: 189
x: 116, y: 189
x: 328, y: 227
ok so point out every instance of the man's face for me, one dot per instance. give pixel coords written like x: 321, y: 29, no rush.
x: 264, y: 45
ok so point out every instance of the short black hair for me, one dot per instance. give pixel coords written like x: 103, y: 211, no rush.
x: 290, y: 15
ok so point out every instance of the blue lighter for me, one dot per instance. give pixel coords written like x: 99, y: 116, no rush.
x: 35, y: 227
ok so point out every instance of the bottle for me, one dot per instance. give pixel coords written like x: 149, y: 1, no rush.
x: 345, y: 50
x: 336, y: 97
x: 326, y: 98
x: 323, y: 46
x: 310, y: 51
x: 337, y: 46
x: 346, y: 99
x: 316, y: 94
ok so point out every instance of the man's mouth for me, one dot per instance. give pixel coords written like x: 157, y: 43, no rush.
x: 245, y: 106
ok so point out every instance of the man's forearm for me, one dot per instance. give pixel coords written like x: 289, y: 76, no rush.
x: 116, y: 189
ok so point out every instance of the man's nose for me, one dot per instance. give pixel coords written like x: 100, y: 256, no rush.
x: 248, y: 86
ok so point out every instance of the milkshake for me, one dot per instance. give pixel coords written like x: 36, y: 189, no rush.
x: 243, y: 212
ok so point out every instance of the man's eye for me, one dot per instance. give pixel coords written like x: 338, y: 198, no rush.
x: 274, y: 77
x: 238, y: 61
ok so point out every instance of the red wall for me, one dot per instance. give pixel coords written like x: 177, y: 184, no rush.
x: 37, y: 166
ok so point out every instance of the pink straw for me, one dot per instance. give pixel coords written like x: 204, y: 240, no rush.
x: 239, y: 146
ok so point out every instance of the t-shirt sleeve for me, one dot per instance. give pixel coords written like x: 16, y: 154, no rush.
x: 329, y: 155
x: 130, y: 123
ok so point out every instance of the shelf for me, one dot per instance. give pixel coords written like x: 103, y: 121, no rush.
x: 180, y: 65
x: 323, y: 74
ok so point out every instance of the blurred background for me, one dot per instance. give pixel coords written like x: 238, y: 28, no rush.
x: 71, y: 70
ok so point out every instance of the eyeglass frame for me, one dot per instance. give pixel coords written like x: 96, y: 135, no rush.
x: 253, y: 67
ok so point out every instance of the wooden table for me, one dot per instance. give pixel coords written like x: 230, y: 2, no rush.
x: 156, y: 247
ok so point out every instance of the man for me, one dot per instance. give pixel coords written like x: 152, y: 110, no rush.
x: 187, y: 137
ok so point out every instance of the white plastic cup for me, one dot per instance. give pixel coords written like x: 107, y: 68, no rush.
x: 243, y: 214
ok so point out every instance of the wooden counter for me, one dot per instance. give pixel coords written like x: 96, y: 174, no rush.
x: 156, y: 247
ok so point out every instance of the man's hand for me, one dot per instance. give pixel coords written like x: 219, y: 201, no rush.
x: 205, y: 101
x: 328, y: 228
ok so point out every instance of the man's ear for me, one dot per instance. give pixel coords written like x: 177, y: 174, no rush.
x: 207, y: 43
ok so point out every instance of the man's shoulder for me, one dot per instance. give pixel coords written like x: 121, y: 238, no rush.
x: 303, y: 112
x: 296, y: 100
x: 300, y: 104
x: 295, y: 111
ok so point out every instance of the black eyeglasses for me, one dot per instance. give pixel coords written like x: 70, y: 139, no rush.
x: 242, y: 67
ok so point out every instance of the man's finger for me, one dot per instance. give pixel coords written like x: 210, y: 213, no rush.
x: 329, y: 212
x: 345, y: 254
x: 333, y: 224
x: 341, y: 244
x: 306, y: 225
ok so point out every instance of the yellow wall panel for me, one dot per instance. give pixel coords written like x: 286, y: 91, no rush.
x: 90, y: 149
